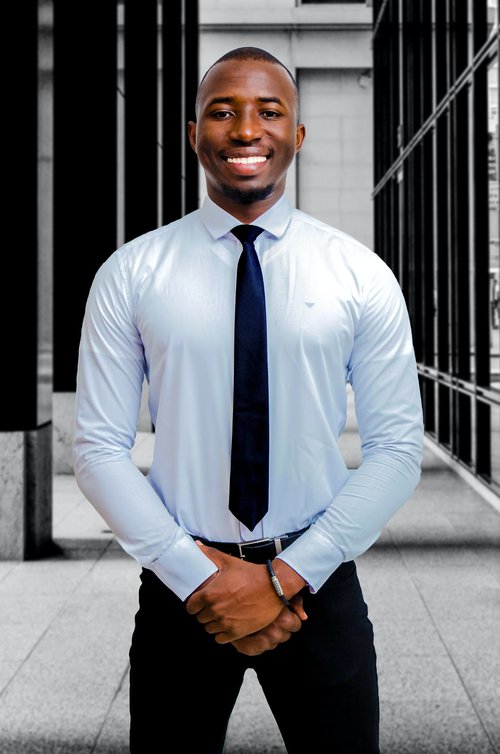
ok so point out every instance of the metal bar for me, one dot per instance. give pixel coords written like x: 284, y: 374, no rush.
x: 462, y: 314
x: 481, y: 222
x: 191, y: 79
x: 379, y: 18
x: 173, y: 127
x: 426, y: 198
x: 485, y: 395
x: 141, y: 117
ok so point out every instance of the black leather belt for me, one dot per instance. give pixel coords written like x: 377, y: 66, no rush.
x: 256, y: 550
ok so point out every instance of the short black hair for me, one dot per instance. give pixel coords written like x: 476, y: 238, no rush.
x: 251, y: 53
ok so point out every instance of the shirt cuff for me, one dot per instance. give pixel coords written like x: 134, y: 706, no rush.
x: 183, y: 566
x: 314, y: 557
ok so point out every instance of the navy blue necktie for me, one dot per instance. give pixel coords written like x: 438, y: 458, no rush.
x: 249, y: 482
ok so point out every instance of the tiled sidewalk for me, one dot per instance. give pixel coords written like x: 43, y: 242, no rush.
x: 432, y: 583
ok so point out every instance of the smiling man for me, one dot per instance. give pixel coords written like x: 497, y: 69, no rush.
x: 248, y: 317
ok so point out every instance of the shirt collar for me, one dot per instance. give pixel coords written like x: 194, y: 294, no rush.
x: 219, y: 222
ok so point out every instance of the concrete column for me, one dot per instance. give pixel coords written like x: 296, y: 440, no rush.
x: 25, y: 410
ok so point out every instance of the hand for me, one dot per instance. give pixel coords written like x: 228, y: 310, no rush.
x: 279, y: 631
x: 239, y: 600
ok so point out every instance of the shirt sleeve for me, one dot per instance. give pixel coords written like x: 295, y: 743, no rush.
x: 111, y: 369
x: 383, y: 375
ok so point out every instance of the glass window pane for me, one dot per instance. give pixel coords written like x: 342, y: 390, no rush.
x: 495, y: 444
x: 493, y: 205
x: 492, y: 18
x: 470, y: 37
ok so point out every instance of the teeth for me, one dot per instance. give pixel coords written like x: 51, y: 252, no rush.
x: 246, y: 160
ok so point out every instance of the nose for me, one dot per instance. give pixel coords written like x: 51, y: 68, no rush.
x: 246, y: 127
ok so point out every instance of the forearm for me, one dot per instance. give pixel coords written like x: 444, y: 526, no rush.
x: 353, y: 521
x: 145, y: 529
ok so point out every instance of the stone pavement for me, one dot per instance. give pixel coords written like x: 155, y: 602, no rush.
x: 432, y: 584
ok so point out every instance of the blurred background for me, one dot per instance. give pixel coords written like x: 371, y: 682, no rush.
x: 400, y: 102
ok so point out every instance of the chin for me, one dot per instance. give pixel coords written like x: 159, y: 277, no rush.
x: 247, y: 196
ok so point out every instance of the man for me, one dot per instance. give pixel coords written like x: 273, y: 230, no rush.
x: 211, y: 604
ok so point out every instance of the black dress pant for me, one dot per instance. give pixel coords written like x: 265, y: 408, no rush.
x: 321, y: 685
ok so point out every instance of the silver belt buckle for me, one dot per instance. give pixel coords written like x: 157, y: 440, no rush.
x: 257, y: 542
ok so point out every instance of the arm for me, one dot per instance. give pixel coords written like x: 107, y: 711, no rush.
x: 383, y: 375
x: 111, y: 371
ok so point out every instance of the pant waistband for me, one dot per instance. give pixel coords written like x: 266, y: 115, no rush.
x: 257, y: 550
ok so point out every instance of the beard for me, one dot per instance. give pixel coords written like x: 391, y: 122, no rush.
x: 247, y: 196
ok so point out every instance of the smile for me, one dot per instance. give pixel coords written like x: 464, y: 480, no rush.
x: 246, y: 160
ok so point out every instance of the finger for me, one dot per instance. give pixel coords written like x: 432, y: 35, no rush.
x: 248, y: 648
x: 195, y: 603
x: 297, y: 605
x: 216, y: 556
x: 205, y: 616
x: 213, y: 627
x: 224, y: 638
x: 288, y: 621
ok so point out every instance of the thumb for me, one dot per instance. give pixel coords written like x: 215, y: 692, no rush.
x: 216, y: 556
x: 298, y: 607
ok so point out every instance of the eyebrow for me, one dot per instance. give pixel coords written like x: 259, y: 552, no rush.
x: 229, y: 100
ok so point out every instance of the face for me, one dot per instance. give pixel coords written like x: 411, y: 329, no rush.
x: 246, y: 135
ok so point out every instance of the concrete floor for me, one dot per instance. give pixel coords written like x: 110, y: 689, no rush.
x: 65, y: 626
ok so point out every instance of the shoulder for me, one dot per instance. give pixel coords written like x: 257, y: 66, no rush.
x: 338, y: 246
x: 158, y: 240
x: 137, y: 259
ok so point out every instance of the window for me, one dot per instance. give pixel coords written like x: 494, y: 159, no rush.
x: 437, y: 209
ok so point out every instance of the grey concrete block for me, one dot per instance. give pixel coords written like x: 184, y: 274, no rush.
x: 481, y: 678
x: 469, y: 636
x: 490, y: 559
x: 407, y: 638
x: 114, y: 736
x: 6, y: 566
x: 8, y: 669
x: 12, y: 494
x: 422, y: 556
x: 50, y: 576
x: 19, y: 639
x: 392, y: 594
x: 115, y: 575
x: 63, y: 691
x: 31, y: 609
x: 459, y: 593
x: 252, y: 728
x: 432, y: 727
x: 416, y: 680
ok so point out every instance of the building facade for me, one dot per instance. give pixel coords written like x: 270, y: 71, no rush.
x: 436, y: 201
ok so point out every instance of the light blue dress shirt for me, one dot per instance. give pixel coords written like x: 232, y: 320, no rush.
x: 163, y: 305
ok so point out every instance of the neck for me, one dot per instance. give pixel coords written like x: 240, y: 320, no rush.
x: 245, y: 213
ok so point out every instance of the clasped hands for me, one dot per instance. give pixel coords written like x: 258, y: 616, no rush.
x: 239, y: 605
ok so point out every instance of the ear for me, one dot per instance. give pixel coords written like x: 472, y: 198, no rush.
x: 299, y: 137
x: 192, y: 133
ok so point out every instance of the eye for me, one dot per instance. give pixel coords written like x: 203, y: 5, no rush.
x: 271, y: 114
x: 220, y: 114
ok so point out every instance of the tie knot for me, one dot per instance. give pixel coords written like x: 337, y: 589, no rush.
x: 247, y: 233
